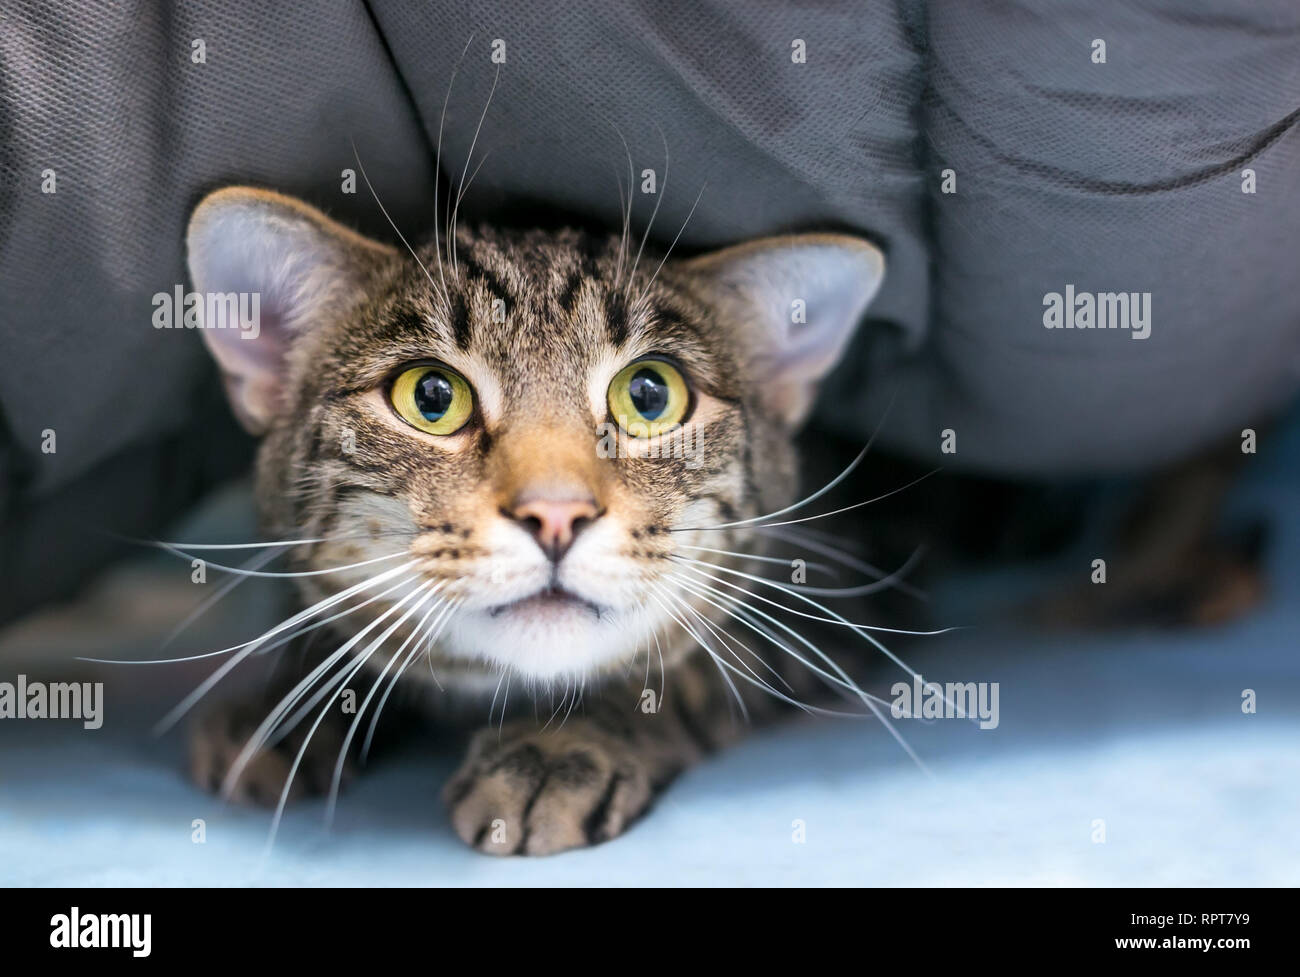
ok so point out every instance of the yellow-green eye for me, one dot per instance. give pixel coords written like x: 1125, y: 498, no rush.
x: 648, y: 397
x: 433, y: 399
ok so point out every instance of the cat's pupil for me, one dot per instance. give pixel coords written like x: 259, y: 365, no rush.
x: 433, y: 395
x: 649, y: 393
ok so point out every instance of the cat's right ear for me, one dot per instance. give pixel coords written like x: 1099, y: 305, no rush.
x: 797, y: 300
x: 298, y: 263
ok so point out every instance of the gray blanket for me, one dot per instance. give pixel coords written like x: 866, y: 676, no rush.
x: 1093, y: 149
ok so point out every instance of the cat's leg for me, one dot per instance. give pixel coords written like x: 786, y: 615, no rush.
x: 536, y: 787
x: 221, y: 733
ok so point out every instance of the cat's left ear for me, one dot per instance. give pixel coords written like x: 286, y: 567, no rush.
x: 302, y: 268
x: 799, y: 299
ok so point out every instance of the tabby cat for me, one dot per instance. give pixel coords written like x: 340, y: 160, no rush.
x: 528, y: 468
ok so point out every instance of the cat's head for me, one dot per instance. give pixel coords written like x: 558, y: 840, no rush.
x: 527, y: 427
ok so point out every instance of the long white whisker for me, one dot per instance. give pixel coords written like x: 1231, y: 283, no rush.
x: 825, y: 488
x: 268, y: 725
x: 729, y: 639
x: 843, y: 684
x: 189, y: 701
x: 663, y: 671
x: 659, y: 199
x: 451, y: 239
x: 704, y: 644
x: 799, y: 538
x: 256, y: 563
x: 391, y: 223
x: 722, y: 664
x: 689, y: 214
x: 359, y: 664
x: 428, y: 658
x: 288, y: 725
x: 836, y: 619
x: 437, y: 163
x: 492, y: 708
x: 625, y: 207
x: 868, y: 700
x: 898, y: 737
x: 230, y: 546
x: 443, y: 618
x: 505, y: 702
x: 842, y: 680
x: 779, y: 561
x: 278, y: 575
x: 884, y: 583
x: 262, y: 649
x: 860, y: 630
x: 568, y: 684
x: 647, y: 628
x: 856, y: 505
x: 579, y: 688
x: 468, y: 183
x: 337, y: 779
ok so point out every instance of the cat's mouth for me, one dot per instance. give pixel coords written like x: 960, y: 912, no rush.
x: 548, y: 599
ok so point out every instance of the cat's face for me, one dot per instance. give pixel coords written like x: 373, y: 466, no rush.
x: 530, y: 440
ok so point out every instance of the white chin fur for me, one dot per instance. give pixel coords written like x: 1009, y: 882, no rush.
x: 541, y: 643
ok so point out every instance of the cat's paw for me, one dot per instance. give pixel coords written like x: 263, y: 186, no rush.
x: 523, y: 791
x: 217, y: 740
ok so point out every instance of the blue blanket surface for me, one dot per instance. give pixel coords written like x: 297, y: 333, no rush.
x: 1119, y: 759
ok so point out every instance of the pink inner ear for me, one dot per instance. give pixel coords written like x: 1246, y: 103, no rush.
x: 836, y: 280
x: 804, y: 352
x: 248, y: 243
x: 812, y: 352
x: 252, y: 364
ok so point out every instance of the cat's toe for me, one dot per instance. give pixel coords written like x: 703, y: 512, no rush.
x: 540, y: 793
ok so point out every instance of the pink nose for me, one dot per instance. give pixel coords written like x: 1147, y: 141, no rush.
x: 554, y: 522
